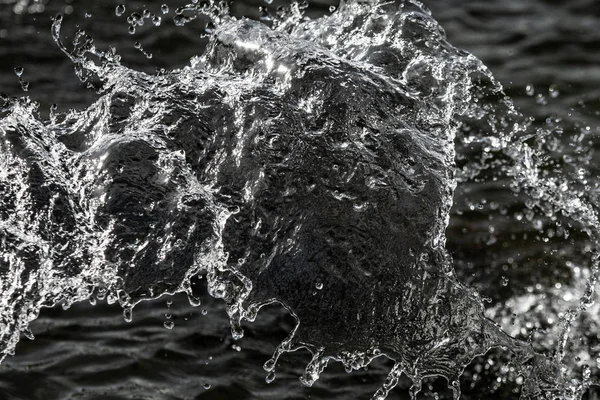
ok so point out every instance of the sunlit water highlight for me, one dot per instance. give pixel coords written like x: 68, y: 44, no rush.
x: 308, y: 162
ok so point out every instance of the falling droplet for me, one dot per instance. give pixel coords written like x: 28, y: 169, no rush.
x: 169, y: 324
x: 204, y: 312
x: 131, y: 29
x: 137, y: 45
x: 206, y: 386
x: 179, y: 20
x: 120, y: 10
x: 25, y: 85
x: 156, y: 20
x: 128, y: 314
x: 529, y: 90
x: 88, y: 15
x: 164, y: 8
x: 19, y: 71
x: 319, y: 285
x: 331, y: 8
x: 146, y: 13
x: 270, y: 377
x: 504, y: 281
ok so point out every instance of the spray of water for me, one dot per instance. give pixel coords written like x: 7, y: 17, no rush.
x: 309, y: 162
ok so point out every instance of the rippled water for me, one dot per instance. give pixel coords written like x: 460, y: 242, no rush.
x: 309, y: 161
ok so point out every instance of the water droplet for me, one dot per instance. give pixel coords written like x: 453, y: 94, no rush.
x: 25, y: 85
x: 169, y: 324
x: 236, y: 347
x: 529, y: 90
x: 131, y: 29
x: 88, y: 15
x: 128, y: 314
x: 319, y: 285
x: 168, y: 316
x: 270, y: 377
x: 553, y: 91
x: 146, y: 13
x: 120, y: 10
x: 331, y: 8
x: 179, y: 20
x: 19, y: 71
x: 164, y: 8
x: 156, y: 20
x: 137, y: 45
x: 206, y: 386
x: 504, y: 281
x: 204, y: 312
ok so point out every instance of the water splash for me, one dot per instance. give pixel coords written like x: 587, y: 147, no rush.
x: 309, y: 163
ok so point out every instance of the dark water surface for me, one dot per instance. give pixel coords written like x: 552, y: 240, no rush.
x: 546, y: 54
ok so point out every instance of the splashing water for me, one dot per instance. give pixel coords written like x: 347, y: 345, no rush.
x: 308, y: 162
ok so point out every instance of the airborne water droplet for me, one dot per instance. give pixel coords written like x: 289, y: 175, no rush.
x: 19, y: 71
x: 169, y: 324
x: 128, y: 314
x: 156, y: 20
x: 206, y: 386
x: 270, y: 377
x: 529, y: 90
x: 164, y: 8
x: 120, y: 10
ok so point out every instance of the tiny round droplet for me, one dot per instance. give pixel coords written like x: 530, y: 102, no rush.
x: 156, y: 20
x: 146, y: 13
x: 529, y: 90
x: 164, y: 8
x: 319, y: 285
x: 168, y: 316
x: 137, y: 45
x: 19, y: 71
x: 88, y: 15
x: 204, y: 312
x: 131, y: 29
x: 206, y: 386
x: 331, y: 8
x: 169, y: 324
x: 120, y: 10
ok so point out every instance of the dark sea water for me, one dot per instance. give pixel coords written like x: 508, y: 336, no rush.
x: 528, y: 260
